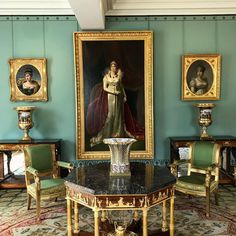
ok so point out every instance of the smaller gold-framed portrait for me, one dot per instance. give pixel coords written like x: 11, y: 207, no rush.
x: 201, y: 77
x: 28, y: 79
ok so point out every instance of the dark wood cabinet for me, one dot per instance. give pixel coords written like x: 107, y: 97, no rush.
x: 228, y: 144
x: 7, y: 147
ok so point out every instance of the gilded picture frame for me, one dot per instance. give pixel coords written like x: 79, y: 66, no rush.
x: 131, y: 53
x: 28, y: 79
x: 201, y: 76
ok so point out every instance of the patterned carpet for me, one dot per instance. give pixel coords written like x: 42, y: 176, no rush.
x: 190, y: 218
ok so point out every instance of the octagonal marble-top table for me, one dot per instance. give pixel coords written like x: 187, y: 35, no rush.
x: 93, y: 187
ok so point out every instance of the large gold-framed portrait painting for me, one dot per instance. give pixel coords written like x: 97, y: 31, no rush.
x: 28, y: 79
x: 114, y: 96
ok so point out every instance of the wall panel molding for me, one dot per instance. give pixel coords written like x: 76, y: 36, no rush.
x: 171, y: 18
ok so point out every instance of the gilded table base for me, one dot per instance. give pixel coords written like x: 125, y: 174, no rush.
x: 102, y: 226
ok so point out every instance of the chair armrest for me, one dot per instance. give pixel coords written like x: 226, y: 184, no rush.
x: 180, y: 162
x: 212, y: 167
x: 175, y: 164
x: 64, y: 164
x: 32, y: 171
x: 208, y: 174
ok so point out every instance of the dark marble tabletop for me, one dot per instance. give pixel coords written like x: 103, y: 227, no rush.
x: 144, y: 179
x: 32, y: 141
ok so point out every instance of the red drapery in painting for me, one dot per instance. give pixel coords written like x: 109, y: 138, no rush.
x: 97, y: 113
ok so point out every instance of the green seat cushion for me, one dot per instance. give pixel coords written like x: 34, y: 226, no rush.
x: 194, y: 182
x: 49, y: 186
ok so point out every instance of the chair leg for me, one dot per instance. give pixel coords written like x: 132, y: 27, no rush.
x: 28, y: 201
x: 216, y: 197
x: 38, y: 207
x: 208, y: 203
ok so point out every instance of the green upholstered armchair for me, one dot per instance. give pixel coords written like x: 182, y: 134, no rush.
x: 202, y: 177
x: 42, y: 174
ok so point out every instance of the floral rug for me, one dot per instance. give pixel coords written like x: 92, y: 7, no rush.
x: 16, y: 220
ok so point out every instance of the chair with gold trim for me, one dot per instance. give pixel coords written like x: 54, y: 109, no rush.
x: 202, y: 177
x: 42, y: 174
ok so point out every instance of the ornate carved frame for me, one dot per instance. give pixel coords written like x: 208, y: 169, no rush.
x: 81, y: 42
x: 212, y: 64
x: 38, y: 65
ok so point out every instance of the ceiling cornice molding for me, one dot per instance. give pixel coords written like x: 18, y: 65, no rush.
x: 35, y: 7
x: 169, y: 12
x: 91, y: 13
x: 171, y: 7
x: 120, y: 7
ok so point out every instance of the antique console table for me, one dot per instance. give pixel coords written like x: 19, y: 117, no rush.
x: 93, y: 187
x: 228, y: 143
x: 7, y: 147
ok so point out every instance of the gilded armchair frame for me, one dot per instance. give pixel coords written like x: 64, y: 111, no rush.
x: 35, y: 179
x: 210, y: 173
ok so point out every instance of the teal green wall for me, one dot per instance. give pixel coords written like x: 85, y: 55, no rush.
x: 52, y: 37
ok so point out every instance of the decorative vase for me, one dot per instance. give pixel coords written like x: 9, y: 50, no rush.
x: 205, y: 118
x: 25, y: 120
x: 120, y: 155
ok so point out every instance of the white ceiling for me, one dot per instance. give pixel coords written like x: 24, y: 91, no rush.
x: 91, y: 13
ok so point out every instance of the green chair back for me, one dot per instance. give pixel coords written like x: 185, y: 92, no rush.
x: 40, y: 157
x: 203, y: 154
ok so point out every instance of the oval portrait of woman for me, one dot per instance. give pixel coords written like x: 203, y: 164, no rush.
x: 199, y: 77
x: 28, y: 80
